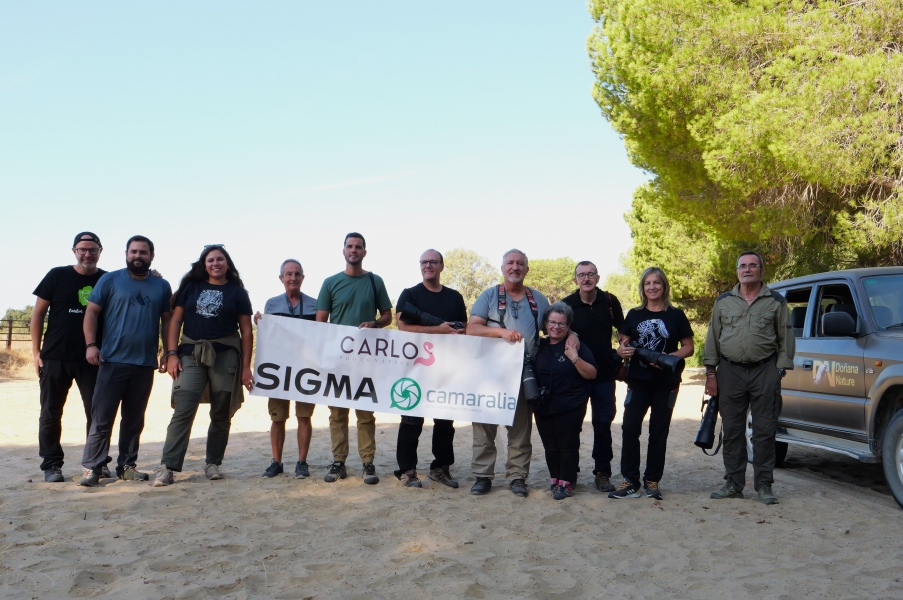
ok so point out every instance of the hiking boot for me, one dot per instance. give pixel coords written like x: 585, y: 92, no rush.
x: 603, y: 483
x: 626, y: 490
x: 212, y: 472
x: 163, y: 476
x: 53, y: 475
x: 302, y: 471
x: 564, y: 491
x: 336, y: 471
x: 765, y: 495
x: 274, y: 469
x: 105, y: 472
x: 409, y: 479
x: 727, y: 491
x: 370, y: 476
x: 90, y: 479
x: 519, y: 487
x: 443, y: 476
x: 481, y: 486
x: 130, y: 473
x: 652, y: 490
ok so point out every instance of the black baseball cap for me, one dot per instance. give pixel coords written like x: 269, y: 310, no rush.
x: 87, y: 236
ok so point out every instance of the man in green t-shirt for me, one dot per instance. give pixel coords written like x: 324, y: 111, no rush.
x: 352, y: 298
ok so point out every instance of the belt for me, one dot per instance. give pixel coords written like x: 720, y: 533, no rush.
x: 748, y: 365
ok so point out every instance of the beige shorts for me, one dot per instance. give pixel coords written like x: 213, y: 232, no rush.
x: 279, y: 409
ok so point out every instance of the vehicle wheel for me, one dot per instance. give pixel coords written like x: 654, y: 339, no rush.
x: 892, y: 456
x: 780, y: 448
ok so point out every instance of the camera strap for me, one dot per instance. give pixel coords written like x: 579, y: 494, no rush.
x: 503, y: 305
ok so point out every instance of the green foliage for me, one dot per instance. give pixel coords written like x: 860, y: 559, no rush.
x: 766, y: 124
x: 19, y: 315
x: 554, y: 277
x: 469, y: 273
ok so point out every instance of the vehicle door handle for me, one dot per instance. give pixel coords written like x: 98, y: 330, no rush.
x: 807, y: 365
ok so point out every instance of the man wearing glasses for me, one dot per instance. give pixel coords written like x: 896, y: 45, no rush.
x: 447, y: 304
x: 596, y: 313
x: 61, y: 360
x: 749, y: 346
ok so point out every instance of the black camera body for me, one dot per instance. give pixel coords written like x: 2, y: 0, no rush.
x: 413, y: 315
x: 665, y: 361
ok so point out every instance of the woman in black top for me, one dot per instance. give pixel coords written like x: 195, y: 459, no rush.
x: 214, y: 351
x: 654, y: 325
x: 562, y: 373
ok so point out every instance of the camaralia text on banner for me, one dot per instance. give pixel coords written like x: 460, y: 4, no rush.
x: 459, y: 377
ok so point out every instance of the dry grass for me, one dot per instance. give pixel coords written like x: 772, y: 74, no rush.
x: 15, y: 363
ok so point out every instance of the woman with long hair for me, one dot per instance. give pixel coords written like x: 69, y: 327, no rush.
x: 658, y: 326
x: 213, y: 358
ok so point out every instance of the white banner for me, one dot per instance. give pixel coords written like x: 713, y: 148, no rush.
x: 458, y: 377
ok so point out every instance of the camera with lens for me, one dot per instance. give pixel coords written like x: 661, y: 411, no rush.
x: 705, y: 437
x: 659, y: 359
x: 414, y: 316
x: 532, y: 392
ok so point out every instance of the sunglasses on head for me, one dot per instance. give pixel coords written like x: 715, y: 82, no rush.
x: 208, y: 246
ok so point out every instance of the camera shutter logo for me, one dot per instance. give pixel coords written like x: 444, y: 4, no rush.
x: 405, y: 394
x: 83, y: 295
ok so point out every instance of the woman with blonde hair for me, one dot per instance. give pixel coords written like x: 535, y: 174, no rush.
x: 658, y: 326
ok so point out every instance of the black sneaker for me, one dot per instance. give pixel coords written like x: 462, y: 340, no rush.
x: 370, y: 477
x: 627, y: 490
x: 603, y: 483
x: 336, y: 471
x: 91, y: 478
x: 302, y: 471
x: 519, y: 487
x: 481, y: 486
x: 652, y: 490
x: 53, y: 475
x: 105, y: 472
x: 563, y: 491
x: 274, y: 469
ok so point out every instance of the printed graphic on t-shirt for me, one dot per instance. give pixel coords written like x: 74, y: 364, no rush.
x: 83, y: 295
x: 653, y: 334
x: 209, y: 303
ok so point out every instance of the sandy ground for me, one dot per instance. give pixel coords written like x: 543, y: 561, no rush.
x: 836, y: 533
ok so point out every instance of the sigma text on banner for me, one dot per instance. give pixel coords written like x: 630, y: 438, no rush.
x: 457, y: 377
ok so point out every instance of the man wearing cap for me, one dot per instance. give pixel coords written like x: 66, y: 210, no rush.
x: 60, y: 360
x: 296, y: 305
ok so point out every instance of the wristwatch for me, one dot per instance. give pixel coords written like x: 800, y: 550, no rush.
x: 91, y: 345
x: 172, y: 353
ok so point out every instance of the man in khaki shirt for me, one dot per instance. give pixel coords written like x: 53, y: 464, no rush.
x: 748, y: 348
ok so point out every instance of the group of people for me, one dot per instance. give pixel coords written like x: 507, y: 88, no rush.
x: 104, y: 329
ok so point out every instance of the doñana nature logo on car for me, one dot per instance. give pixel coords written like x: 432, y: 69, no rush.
x: 405, y: 394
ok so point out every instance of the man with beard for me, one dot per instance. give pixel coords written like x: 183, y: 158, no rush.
x: 446, y: 304
x: 132, y: 307
x: 513, y: 312
x: 596, y: 313
x: 61, y: 360
x: 352, y: 297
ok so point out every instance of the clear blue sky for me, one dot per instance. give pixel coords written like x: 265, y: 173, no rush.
x: 276, y: 128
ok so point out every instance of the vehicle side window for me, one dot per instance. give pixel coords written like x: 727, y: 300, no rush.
x: 885, y: 296
x: 798, y: 305
x: 834, y: 297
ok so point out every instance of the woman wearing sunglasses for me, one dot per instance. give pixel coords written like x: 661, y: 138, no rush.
x: 562, y: 374
x: 213, y: 360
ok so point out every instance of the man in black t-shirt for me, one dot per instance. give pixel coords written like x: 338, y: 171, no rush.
x: 596, y: 313
x: 446, y: 304
x: 61, y: 360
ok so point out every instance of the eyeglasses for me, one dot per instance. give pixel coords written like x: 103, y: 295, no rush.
x: 90, y: 251
x: 556, y: 324
x: 582, y: 276
x: 432, y: 263
x: 214, y: 246
x: 752, y: 266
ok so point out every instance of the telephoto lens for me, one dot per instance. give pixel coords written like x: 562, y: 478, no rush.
x: 660, y: 359
x: 705, y: 437
x: 528, y: 380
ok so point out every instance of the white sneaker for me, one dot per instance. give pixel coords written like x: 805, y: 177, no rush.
x: 212, y: 471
